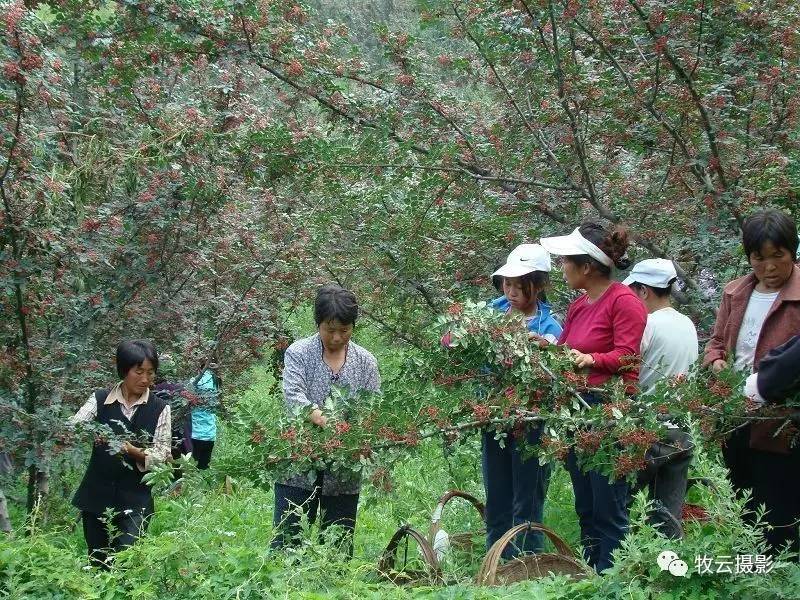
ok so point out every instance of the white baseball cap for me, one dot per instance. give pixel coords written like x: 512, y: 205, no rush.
x: 524, y: 259
x: 655, y: 272
x: 573, y: 244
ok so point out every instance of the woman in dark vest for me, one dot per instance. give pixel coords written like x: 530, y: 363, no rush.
x: 114, y: 480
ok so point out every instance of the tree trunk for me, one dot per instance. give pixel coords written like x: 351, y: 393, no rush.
x: 5, y: 521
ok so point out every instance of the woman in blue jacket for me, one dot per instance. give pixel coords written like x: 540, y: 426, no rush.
x: 516, y: 488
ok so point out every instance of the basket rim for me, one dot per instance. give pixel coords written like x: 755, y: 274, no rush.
x: 386, y: 562
x: 444, y: 499
x: 487, y: 574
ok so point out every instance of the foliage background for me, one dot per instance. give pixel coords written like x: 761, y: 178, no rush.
x: 191, y: 170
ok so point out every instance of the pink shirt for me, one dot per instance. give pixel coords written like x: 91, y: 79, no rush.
x: 610, y: 329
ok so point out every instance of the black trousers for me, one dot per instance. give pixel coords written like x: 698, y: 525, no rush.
x: 103, y: 538
x: 201, y: 451
x: 667, y: 471
x: 291, y: 502
x: 772, y: 477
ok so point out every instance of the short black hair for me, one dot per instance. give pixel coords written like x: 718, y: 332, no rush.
x: 658, y: 291
x: 769, y: 225
x: 132, y: 353
x: 334, y: 303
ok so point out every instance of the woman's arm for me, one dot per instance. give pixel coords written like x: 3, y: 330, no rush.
x: 715, y: 350
x: 629, y: 318
x: 160, y: 451
x: 295, y: 387
x: 372, y: 379
x: 85, y: 413
x: 778, y: 374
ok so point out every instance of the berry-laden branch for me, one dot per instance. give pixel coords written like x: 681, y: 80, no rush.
x: 491, y: 376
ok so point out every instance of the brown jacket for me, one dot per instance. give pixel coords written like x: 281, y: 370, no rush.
x: 781, y: 323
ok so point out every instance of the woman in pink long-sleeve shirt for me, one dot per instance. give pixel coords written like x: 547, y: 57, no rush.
x: 604, y: 330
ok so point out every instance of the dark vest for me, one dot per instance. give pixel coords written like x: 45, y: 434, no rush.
x: 114, y: 480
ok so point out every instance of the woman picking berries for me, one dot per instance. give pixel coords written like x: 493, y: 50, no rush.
x: 603, y: 329
x: 758, y: 313
x: 516, y: 488
x: 312, y: 366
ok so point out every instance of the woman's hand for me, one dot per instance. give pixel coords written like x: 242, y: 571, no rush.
x: 135, y: 453
x: 718, y: 365
x: 317, y: 418
x: 539, y: 340
x: 582, y: 360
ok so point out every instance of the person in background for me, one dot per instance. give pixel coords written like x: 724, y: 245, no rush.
x: 113, y: 481
x: 311, y: 366
x: 603, y: 330
x: 515, y: 488
x: 204, y: 416
x: 758, y: 313
x: 169, y: 390
x: 669, y: 349
x: 776, y: 382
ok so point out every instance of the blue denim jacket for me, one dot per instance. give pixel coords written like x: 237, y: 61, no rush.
x: 542, y: 322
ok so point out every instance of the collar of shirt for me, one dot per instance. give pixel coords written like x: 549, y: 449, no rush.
x: 116, y: 396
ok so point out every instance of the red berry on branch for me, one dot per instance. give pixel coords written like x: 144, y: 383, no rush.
x: 294, y: 68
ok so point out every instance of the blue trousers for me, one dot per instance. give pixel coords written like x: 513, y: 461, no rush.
x: 602, y: 509
x: 515, y: 491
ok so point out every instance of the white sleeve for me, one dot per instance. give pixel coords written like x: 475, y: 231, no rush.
x: 647, y: 337
x: 751, y: 389
x: 85, y: 413
x: 161, y: 450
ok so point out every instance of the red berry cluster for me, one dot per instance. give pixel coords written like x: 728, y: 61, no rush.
x: 332, y: 444
x: 720, y: 388
x: 380, y: 479
x: 364, y: 452
x: 481, y: 412
x: 695, y: 405
x: 455, y: 309
x: 342, y: 427
x: 693, y: 512
x: 559, y: 448
x: 626, y: 464
x: 642, y: 439
x: 431, y: 411
x: 290, y: 435
x: 577, y: 380
x: 588, y: 441
x: 257, y: 436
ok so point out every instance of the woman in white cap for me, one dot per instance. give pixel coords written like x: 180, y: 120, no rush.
x: 669, y: 349
x: 603, y: 329
x: 516, y: 488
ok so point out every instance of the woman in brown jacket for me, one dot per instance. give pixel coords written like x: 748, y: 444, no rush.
x: 759, y: 312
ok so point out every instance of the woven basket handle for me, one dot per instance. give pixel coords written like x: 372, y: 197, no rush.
x: 491, y: 561
x: 436, y: 517
x: 387, y: 560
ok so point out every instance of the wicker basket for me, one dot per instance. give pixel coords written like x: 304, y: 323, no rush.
x: 529, y: 566
x: 460, y: 541
x: 387, y: 565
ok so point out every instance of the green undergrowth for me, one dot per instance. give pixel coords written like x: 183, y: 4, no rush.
x: 213, y: 542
